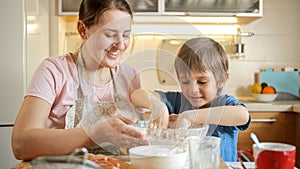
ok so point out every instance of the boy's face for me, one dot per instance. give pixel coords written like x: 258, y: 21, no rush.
x: 198, y: 87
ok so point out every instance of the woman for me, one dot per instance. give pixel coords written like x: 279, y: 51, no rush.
x: 67, y: 94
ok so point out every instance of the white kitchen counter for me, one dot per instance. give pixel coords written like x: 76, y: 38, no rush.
x: 278, y: 106
x: 296, y: 108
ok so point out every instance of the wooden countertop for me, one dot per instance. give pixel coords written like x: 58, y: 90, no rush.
x: 27, y: 165
x: 124, y: 165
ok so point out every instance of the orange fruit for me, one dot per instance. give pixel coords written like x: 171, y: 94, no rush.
x: 268, y: 90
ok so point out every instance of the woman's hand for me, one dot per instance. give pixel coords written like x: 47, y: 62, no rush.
x: 116, y: 131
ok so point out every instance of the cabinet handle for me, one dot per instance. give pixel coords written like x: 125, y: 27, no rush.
x: 272, y: 120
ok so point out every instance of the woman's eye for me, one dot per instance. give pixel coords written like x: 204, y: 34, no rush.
x: 110, y: 35
x: 126, y: 35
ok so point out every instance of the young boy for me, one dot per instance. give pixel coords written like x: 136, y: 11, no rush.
x: 202, y: 70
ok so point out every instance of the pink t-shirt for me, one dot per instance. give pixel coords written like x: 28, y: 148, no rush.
x: 56, y: 81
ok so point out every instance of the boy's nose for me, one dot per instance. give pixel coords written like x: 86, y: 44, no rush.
x: 195, y: 87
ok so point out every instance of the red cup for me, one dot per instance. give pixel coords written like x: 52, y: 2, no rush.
x: 274, y: 156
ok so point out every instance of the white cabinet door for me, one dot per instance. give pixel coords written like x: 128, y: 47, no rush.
x: 7, y: 159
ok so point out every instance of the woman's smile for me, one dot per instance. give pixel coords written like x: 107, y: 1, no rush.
x: 113, y: 53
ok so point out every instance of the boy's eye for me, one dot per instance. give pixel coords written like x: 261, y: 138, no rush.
x: 201, y: 82
x: 185, y: 82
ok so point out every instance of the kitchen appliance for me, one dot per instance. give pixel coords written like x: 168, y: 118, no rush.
x: 21, y: 54
x: 12, y: 77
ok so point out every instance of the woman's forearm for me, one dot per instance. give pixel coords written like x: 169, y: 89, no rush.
x: 39, y: 142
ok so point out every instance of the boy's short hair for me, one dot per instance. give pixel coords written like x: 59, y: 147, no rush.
x: 202, y: 54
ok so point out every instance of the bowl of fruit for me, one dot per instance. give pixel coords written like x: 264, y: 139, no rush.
x: 263, y: 92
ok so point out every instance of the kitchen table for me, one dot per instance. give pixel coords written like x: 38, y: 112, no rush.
x: 123, y: 163
x: 237, y: 165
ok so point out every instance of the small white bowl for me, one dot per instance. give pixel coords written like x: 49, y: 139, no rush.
x: 265, y: 97
x: 157, y: 157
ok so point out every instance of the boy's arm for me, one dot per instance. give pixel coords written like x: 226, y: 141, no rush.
x: 222, y: 115
x: 142, y: 98
x: 159, y: 117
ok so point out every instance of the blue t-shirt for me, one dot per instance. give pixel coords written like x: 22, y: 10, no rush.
x: 177, y: 104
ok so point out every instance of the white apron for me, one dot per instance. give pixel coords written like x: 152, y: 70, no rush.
x: 88, y: 112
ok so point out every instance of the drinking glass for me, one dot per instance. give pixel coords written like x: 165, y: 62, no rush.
x: 204, y: 152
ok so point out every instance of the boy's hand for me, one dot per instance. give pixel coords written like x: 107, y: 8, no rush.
x: 180, y: 121
x: 172, y: 120
x: 159, y: 117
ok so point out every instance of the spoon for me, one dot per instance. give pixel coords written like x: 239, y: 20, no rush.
x: 255, y: 139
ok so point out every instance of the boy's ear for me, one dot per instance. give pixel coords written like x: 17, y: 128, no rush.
x: 221, y: 84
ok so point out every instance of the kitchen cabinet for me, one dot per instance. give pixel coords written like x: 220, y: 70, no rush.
x: 272, y: 127
x: 269, y: 127
x: 68, y: 7
x: 196, y: 7
x: 146, y: 6
x: 163, y: 10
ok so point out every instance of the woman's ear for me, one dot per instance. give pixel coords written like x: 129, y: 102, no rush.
x: 81, y: 28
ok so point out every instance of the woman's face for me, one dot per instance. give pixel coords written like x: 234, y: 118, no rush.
x: 199, y: 88
x: 107, y: 40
